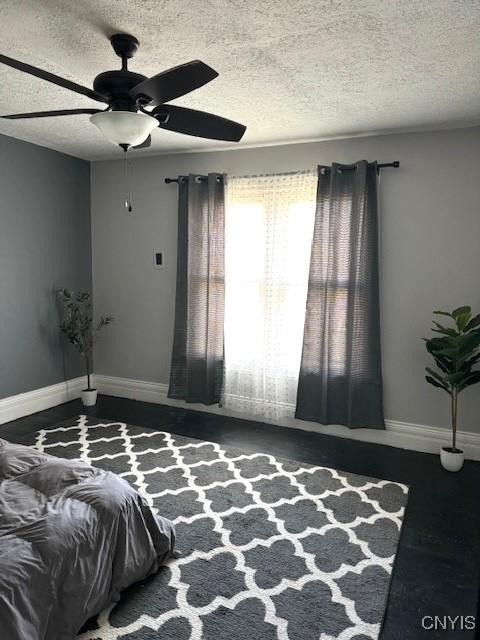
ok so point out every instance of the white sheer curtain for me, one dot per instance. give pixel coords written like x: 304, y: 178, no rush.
x: 268, y: 234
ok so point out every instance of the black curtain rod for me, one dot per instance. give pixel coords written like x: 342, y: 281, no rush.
x: 385, y: 165
x: 177, y: 180
x: 381, y: 165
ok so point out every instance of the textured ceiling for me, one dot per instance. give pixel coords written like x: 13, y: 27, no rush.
x: 290, y: 70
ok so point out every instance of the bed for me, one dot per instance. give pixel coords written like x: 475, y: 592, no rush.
x: 72, y: 537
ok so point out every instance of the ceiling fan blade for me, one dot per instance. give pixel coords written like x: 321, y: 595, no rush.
x: 198, y: 123
x: 51, y: 77
x: 174, y: 82
x: 145, y: 144
x: 48, y: 114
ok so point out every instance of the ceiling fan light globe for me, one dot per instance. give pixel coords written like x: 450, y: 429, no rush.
x: 124, y: 127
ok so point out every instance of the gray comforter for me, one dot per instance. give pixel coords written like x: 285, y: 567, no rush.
x: 71, y: 538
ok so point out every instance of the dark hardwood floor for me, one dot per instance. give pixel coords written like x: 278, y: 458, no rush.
x: 438, y: 561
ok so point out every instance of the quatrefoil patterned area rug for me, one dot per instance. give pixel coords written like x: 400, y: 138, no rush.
x: 271, y: 549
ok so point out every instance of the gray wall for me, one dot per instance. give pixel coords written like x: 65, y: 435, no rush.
x: 44, y: 244
x: 430, y: 238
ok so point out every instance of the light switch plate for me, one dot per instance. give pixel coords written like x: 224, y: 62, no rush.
x: 158, y: 259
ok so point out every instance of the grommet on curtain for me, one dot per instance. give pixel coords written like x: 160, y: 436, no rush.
x: 198, y: 179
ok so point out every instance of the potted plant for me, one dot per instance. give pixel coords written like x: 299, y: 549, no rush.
x: 456, y: 352
x: 81, y: 332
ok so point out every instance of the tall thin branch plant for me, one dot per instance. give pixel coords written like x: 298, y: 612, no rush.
x: 78, y: 325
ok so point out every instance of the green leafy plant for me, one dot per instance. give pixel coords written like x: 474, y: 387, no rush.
x: 78, y: 325
x: 456, y: 352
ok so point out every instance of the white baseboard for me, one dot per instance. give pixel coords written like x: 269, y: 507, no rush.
x: 404, y: 435
x: 24, y: 404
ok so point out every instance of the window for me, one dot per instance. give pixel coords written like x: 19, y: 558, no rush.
x: 268, y: 234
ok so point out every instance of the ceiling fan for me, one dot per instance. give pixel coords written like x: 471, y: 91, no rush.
x: 137, y: 104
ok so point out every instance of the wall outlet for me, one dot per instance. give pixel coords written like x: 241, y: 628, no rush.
x: 158, y: 259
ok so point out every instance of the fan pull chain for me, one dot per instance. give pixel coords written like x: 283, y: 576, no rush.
x: 128, y: 185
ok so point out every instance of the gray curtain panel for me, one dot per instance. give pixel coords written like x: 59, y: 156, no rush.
x: 197, y: 359
x: 341, y: 373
